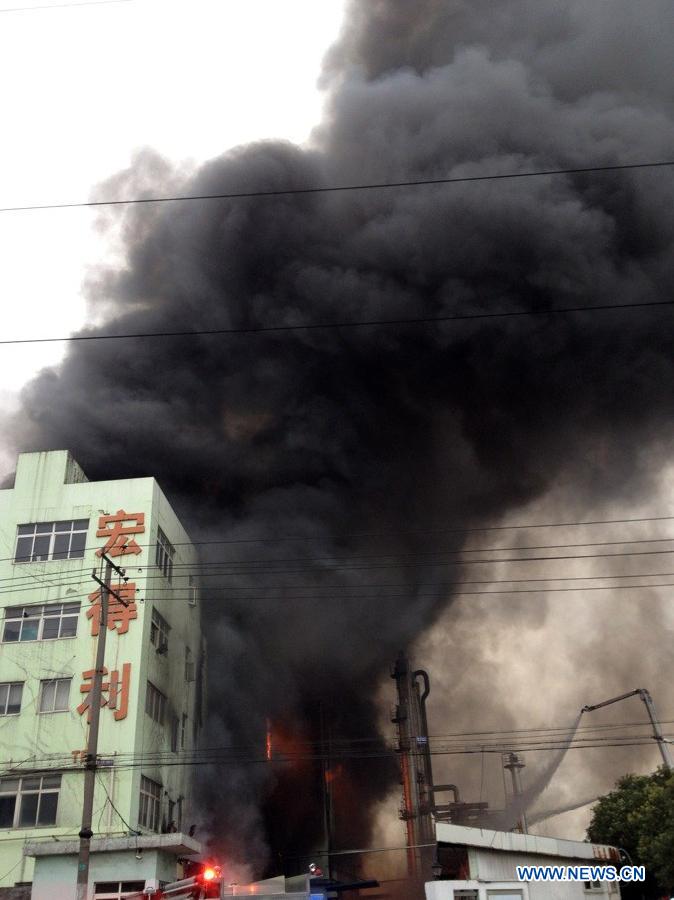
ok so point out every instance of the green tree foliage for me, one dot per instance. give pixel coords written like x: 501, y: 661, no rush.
x: 639, y: 817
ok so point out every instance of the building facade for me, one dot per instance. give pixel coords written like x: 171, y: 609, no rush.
x: 54, y: 527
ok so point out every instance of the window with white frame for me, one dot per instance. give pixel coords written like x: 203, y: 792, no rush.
x: 117, y: 890
x: 42, y: 541
x: 192, y: 590
x: 40, y: 623
x: 54, y: 695
x: 150, y: 804
x: 159, y: 631
x: 29, y: 801
x: 155, y: 703
x: 504, y: 894
x: 189, y: 666
x: 10, y: 698
x: 164, y: 554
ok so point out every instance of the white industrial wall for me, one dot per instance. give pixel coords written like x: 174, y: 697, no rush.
x: 487, y: 865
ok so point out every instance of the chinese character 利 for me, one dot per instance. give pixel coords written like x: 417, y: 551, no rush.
x: 116, y: 687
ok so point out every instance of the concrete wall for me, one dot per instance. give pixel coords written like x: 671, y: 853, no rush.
x: 55, y: 876
x: 51, y: 487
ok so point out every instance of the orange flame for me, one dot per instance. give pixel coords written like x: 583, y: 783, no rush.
x: 335, y: 772
x: 268, y: 743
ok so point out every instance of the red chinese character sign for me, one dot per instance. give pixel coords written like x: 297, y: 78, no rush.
x: 119, y: 530
x: 116, y: 688
x: 118, y: 533
x: 120, y: 615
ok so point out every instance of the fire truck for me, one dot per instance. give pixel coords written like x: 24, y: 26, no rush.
x: 205, y: 881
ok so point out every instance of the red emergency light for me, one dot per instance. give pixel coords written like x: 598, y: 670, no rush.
x: 210, y: 873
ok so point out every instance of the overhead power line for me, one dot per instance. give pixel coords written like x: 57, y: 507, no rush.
x: 331, y: 189
x: 360, y: 592
x: 339, y: 536
x: 379, y: 597
x: 328, y: 326
x: 158, y: 581
x: 382, y: 754
x: 375, y: 747
x: 234, y: 569
x: 248, y: 564
x: 549, y: 735
x: 377, y: 750
x: 226, y: 570
x: 242, y: 592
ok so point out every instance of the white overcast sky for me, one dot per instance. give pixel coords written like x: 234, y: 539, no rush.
x: 85, y: 86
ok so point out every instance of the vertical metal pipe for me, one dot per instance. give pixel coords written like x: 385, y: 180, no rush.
x: 514, y: 764
x: 421, y: 673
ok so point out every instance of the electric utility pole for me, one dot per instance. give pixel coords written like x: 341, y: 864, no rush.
x: 95, y: 710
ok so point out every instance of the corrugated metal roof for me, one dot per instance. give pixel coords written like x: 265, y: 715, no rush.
x: 522, y: 843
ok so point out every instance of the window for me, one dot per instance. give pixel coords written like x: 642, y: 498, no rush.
x: 117, y: 890
x: 164, y: 555
x: 150, y: 803
x: 592, y: 885
x: 51, y: 540
x: 175, y: 727
x: 29, y: 801
x: 183, y: 731
x: 192, y: 590
x: 159, y: 631
x: 54, y: 695
x: 155, y: 703
x: 10, y: 698
x: 40, y: 623
x: 504, y: 894
x: 189, y: 666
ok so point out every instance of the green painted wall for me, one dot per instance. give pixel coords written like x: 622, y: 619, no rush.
x: 56, y: 876
x: 51, y: 487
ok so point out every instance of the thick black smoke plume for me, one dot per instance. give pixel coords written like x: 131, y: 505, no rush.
x: 331, y: 434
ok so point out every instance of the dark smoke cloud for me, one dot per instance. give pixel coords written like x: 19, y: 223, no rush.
x: 330, y: 434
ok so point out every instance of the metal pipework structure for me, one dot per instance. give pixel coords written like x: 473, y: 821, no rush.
x: 650, y: 709
x: 415, y: 759
x: 514, y: 764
